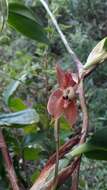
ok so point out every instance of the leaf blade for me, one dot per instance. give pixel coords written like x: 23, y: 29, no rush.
x: 25, y: 117
x: 94, y: 148
x: 22, y: 19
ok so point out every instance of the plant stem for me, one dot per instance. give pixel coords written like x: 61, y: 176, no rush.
x: 62, y: 36
x: 8, y: 163
x: 56, y: 134
x: 84, y: 131
x: 75, y: 176
x: 84, y: 111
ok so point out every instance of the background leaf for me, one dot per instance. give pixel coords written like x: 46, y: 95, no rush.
x: 23, y: 20
x: 11, y: 88
x: 95, y: 147
x: 16, y: 104
x: 26, y: 117
x: 31, y: 153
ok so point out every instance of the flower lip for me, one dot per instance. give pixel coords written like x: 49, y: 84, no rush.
x: 65, y: 97
x: 69, y: 94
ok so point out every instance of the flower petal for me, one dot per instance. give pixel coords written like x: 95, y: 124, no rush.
x: 55, y: 104
x: 65, y: 79
x: 68, y: 80
x: 60, y: 75
x: 70, y: 113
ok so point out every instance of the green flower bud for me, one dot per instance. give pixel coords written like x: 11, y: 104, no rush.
x: 97, y: 55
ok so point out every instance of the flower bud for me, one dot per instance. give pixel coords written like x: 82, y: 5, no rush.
x: 97, y: 55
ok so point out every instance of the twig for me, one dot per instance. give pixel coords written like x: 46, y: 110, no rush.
x: 63, y: 38
x: 8, y: 163
x: 45, y: 62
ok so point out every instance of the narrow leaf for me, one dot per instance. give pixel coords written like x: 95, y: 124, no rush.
x: 12, y: 88
x: 47, y: 175
x: 94, y: 148
x: 25, y: 117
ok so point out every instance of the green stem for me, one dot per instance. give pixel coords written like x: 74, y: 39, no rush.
x: 56, y: 134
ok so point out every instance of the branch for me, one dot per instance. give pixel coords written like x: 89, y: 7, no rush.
x: 8, y: 163
x: 63, y: 38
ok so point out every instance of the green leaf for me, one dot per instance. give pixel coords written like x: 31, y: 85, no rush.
x: 35, y: 175
x: 22, y: 19
x: 94, y: 148
x: 31, y: 153
x: 16, y: 104
x: 11, y: 88
x: 33, y: 138
x: 98, y: 54
x: 25, y: 117
x: 97, y: 155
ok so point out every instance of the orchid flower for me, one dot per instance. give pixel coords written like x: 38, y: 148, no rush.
x: 63, y: 100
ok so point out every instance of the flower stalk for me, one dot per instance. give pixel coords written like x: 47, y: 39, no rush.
x: 56, y: 134
x: 75, y: 177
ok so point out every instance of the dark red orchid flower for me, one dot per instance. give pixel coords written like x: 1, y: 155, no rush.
x: 63, y: 100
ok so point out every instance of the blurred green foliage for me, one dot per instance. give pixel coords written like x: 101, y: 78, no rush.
x: 84, y: 22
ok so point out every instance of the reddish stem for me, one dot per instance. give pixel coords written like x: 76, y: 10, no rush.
x: 65, y: 173
x: 8, y: 163
x: 84, y: 131
x: 85, y: 113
